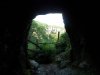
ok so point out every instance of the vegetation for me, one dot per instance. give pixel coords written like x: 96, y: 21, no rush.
x: 63, y: 43
x: 44, y: 45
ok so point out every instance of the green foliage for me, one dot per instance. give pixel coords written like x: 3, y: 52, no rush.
x: 49, y: 49
x: 63, y: 43
x: 37, y: 35
x: 37, y: 31
x: 42, y: 47
x: 31, y: 46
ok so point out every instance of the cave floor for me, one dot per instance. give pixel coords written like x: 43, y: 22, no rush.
x: 53, y: 69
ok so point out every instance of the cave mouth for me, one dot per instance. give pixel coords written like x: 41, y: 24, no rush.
x: 47, y: 38
x: 49, y: 43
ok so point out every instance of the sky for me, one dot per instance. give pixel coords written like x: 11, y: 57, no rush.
x: 51, y: 19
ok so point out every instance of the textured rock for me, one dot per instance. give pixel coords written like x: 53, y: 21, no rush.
x: 34, y: 64
x: 84, y: 64
x: 52, y: 69
x: 62, y: 59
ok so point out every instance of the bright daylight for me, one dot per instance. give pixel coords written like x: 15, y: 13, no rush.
x: 47, y: 40
x: 54, y: 20
x: 49, y: 47
x: 51, y: 19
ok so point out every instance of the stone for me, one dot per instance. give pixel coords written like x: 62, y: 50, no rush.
x: 34, y: 64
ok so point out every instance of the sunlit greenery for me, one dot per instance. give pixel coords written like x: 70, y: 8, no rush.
x: 40, y: 41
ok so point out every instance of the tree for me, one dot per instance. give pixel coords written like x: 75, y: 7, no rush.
x: 38, y: 31
x: 39, y: 39
x: 63, y: 43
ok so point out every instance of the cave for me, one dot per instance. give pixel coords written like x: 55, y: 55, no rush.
x: 16, y: 17
x: 48, y: 38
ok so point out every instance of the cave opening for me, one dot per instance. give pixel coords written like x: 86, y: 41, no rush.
x: 14, y: 30
x: 50, y: 45
x: 48, y: 39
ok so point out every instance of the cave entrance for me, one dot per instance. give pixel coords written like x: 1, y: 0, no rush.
x: 48, y: 38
